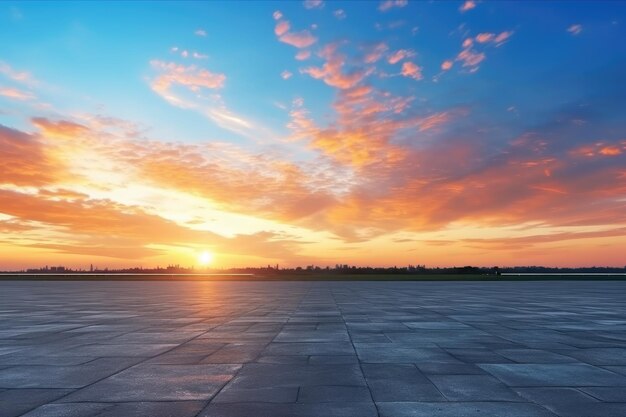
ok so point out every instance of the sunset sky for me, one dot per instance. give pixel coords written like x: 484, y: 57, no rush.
x: 367, y: 133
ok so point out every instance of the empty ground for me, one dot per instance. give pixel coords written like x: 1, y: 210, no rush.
x: 292, y: 349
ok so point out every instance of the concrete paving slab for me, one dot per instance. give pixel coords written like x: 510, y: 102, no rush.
x: 312, y: 348
x: 158, y: 383
x: 550, y: 375
x: 15, y: 402
x: 461, y: 409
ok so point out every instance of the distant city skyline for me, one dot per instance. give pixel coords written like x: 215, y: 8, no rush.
x: 227, y: 134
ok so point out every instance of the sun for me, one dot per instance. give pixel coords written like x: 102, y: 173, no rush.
x: 205, y: 258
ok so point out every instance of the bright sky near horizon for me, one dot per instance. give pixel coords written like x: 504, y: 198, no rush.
x: 370, y: 133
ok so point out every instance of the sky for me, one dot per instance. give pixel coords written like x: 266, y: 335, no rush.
x: 296, y: 133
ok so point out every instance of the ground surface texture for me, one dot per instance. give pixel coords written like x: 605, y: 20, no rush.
x: 309, y: 349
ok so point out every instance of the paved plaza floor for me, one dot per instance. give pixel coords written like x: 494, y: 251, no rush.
x: 296, y: 349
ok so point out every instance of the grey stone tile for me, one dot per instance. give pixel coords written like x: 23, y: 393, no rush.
x: 131, y: 349
x: 477, y: 355
x: 564, y: 375
x: 402, y: 355
x: 333, y: 393
x: 70, y: 410
x: 436, y: 325
x: 155, y: 337
x: 77, y: 376
x: 569, y: 402
x: 534, y: 356
x: 158, y: 383
x: 450, y: 369
x: 601, y: 356
x: 143, y: 409
x: 294, y: 337
x: 461, y: 409
x: 290, y: 410
x: 255, y: 375
x: 339, y: 348
x: 233, y: 394
x: 314, y: 336
x: 236, y: 353
x: 399, y: 382
x: 333, y: 359
x: 473, y: 388
x: 609, y: 394
x: 284, y: 359
x: 16, y: 402
x: 617, y: 369
x: 27, y: 359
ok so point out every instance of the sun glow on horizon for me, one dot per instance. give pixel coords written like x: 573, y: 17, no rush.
x: 205, y: 258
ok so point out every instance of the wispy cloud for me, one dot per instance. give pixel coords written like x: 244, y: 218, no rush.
x: 375, y: 52
x: 399, y: 55
x: 16, y: 93
x: 191, y: 77
x: 303, y: 55
x: 340, y: 14
x: 467, y: 5
x: 575, y: 29
x: 331, y: 72
x: 313, y: 4
x: 23, y: 77
x: 281, y: 28
x: 301, y: 39
x: 390, y: 4
x: 200, y: 32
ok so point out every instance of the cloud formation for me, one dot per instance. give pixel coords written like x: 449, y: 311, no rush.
x: 467, y: 5
x: 313, y: 4
x: 300, y: 39
x: 411, y: 70
x: 575, y: 29
x: 390, y: 4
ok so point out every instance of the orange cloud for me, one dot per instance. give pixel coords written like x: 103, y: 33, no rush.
x: 411, y: 70
x: 281, y: 28
x: 485, y: 37
x: 331, y: 71
x: 62, y: 128
x: 302, y: 39
x: 190, y: 77
x: 399, y: 55
x: 610, y: 151
x: 376, y: 53
x: 467, y: 5
x: 470, y: 58
x: 303, y: 55
x: 502, y: 37
x: 24, y: 160
x: 446, y: 65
